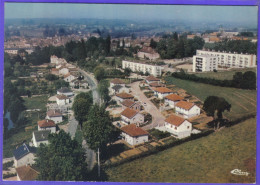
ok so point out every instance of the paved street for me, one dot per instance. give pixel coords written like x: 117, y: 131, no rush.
x: 158, y: 118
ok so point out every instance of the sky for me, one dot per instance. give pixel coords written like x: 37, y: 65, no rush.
x: 132, y: 12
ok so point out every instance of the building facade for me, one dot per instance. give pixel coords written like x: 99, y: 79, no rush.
x: 232, y: 60
x: 142, y: 67
x: 203, y: 63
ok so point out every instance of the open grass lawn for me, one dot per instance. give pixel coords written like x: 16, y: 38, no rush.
x: 243, y: 102
x: 223, y: 75
x: 38, y: 102
x: 206, y: 160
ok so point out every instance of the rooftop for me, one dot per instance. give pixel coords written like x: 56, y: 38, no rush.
x: 133, y: 130
x: 64, y: 90
x: 185, y: 105
x: 46, y: 123
x: 124, y: 95
x: 27, y: 173
x: 152, y: 78
x: 41, y: 135
x: 54, y: 113
x: 174, y: 120
x: 61, y: 97
x: 129, y: 113
x: 128, y: 103
x: 174, y: 97
x: 163, y: 90
x: 23, y: 150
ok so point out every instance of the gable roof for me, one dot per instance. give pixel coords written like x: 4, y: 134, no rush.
x: 46, y: 123
x: 162, y: 90
x: 64, y: 90
x: 117, y: 87
x: 124, y: 95
x: 174, y: 97
x: 62, y: 97
x: 155, y: 84
x: 117, y: 81
x: 54, y: 113
x: 174, y: 120
x: 148, y: 50
x: 41, y: 135
x: 67, y: 75
x: 133, y: 130
x: 27, y: 173
x: 185, y: 105
x: 23, y: 150
x: 129, y: 113
x: 128, y: 103
x: 152, y: 78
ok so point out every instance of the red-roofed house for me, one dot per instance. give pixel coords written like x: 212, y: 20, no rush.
x: 117, y: 81
x: 47, y: 124
x: 131, y: 104
x: 54, y: 115
x: 124, y: 96
x: 26, y: 173
x: 161, y: 92
x: 152, y: 79
x: 187, y: 109
x: 69, y: 77
x: 172, y: 99
x: 148, y: 52
x: 134, y: 135
x: 178, y: 126
x: 61, y: 99
x: 54, y: 71
x: 129, y: 116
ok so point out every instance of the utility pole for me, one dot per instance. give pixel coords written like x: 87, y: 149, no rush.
x: 98, y: 164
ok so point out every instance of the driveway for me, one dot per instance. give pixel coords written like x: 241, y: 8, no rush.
x: 158, y: 118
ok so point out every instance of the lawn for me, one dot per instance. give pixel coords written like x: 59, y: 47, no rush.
x: 243, y: 102
x: 224, y: 75
x: 38, y: 102
x: 206, y: 160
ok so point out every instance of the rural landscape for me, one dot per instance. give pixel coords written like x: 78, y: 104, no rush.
x: 123, y: 97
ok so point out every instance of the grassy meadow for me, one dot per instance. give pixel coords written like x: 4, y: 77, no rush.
x: 206, y: 160
x: 223, y: 75
x: 243, y: 102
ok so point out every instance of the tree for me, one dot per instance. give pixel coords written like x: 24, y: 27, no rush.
x: 99, y: 73
x: 62, y: 160
x: 103, y: 90
x: 249, y: 80
x: 153, y: 44
x: 81, y: 106
x: 215, y: 106
x: 98, y: 130
x: 127, y: 71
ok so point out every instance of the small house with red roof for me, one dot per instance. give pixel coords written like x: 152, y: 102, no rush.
x: 178, y: 126
x: 47, y: 124
x: 172, y: 100
x: 134, y: 135
x: 117, y: 81
x: 62, y: 99
x: 54, y: 115
x: 161, y: 92
x: 148, y: 52
x: 26, y: 173
x: 152, y: 79
x: 131, y: 104
x: 187, y: 109
x: 69, y: 77
x: 123, y: 96
x: 129, y: 116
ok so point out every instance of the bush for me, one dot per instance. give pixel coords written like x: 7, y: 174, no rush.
x: 7, y: 165
x: 5, y: 176
x: 159, y: 134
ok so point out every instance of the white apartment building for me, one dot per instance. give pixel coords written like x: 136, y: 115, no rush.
x: 232, y: 60
x: 203, y: 63
x: 142, y: 67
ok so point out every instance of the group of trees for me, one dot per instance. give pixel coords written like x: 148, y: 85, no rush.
x: 170, y: 46
x: 241, y: 80
x: 239, y: 46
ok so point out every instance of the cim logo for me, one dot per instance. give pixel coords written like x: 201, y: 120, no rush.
x: 239, y: 172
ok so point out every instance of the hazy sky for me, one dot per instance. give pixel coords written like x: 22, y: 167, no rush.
x: 109, y: 11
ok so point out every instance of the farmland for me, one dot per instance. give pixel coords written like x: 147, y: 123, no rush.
x: 243, y: 102
x: 223, y: 75
x: 206, y: 160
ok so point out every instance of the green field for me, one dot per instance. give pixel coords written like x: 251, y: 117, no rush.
x: 206, y: 160
x: 223, y: 75
x: 243, y: 102
x: 38, y: 102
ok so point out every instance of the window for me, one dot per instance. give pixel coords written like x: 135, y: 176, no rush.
x: 188, y: 127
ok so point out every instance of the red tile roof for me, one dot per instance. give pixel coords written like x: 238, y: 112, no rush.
x: 128, y: 103
x: 46, y: 123
x: 174, y: 120
x: 129, y: 113
x: 54, y: 69
x: 174, y: 97
x: 148, y: 50
x: 27, y: 173
x: 163, y: 90
x: 152, y: 78
x: 124, y: 95
x: 133, y: 130
x: 117, y: 81
x: 155, y: 84
x: 185, y: 105
x: 61, y: 97
x: 54, y: 113
x: 66, y: 75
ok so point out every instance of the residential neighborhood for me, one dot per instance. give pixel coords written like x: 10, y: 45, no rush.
x: 95, y: 99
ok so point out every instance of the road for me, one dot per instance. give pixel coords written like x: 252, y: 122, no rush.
x: 157, y: 117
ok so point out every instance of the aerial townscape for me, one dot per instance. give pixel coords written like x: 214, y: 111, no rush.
x: 129, y: 100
